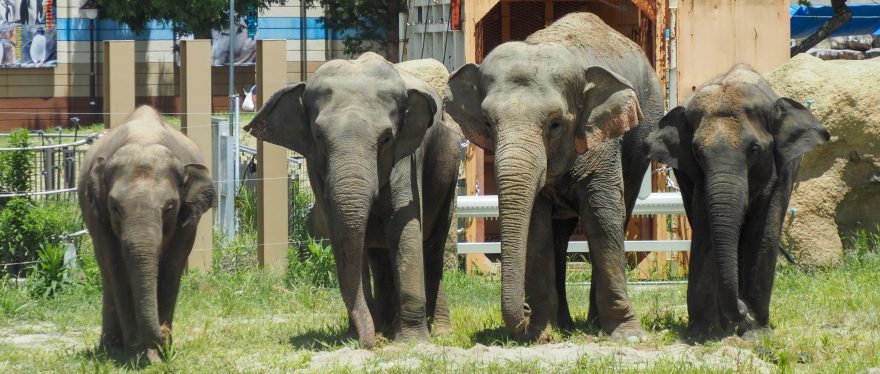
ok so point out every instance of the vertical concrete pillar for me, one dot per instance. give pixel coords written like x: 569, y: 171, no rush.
x: 195, y: 100
x: 272, y: 182
x: 118, y: 81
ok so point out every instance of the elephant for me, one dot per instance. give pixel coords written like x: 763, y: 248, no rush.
x: 735, y: 147
x: 383, y: 168
x: 566, y: 113
x: 143, y: 189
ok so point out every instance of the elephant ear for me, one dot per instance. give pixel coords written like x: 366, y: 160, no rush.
x: 199, y: 194
x: 420, y: 110
x: 671, y: 143
x: 463, y: 101
x: 796, y: 130
x: 283, y: 121
x: 96, y: 189
x: 609, y: 109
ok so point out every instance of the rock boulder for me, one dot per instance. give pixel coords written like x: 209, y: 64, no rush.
x: 838, y: 187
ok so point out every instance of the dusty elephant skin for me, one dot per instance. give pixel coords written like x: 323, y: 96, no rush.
x: 553, y: 109
x: 383, y: 168
x: 143, y: 188
x: 735, y: 147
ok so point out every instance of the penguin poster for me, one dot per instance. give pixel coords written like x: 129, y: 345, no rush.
x: 28, y: 38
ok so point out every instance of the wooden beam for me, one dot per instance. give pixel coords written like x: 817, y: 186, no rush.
x: 505, y: 22
x: 195, y: 100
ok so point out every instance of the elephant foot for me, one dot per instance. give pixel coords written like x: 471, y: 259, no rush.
x: 110, y: 342
x: 412, y: 334
x: 441, y: 328
x: 152, y: 355
x: 630, y: 331
x: 564, y: 321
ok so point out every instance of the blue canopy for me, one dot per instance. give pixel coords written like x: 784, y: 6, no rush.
x: 806, y: 20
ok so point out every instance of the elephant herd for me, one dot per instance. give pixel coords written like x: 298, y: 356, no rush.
x: 574, y: 115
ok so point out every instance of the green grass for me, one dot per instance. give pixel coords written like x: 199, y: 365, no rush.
x: 245, y: 319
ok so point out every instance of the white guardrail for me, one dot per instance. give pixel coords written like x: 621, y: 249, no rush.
x: 648, y: 203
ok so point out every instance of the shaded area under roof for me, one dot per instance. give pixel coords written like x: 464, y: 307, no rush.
x: 806, y: 20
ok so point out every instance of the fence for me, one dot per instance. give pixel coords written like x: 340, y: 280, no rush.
x: 55, y: 162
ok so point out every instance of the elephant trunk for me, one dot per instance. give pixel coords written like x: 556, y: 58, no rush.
x: 520, y: 164
x: 141, y: 249
x: 726, y: 202
x: 351, y: 189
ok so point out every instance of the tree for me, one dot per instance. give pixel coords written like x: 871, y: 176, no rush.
x: 367, y: 24
x: 188, y: 17
x: 842, y: 15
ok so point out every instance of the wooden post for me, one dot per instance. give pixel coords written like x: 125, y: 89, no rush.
x: 195, y: 100
x: 272, y: 182
x: 118, y: 81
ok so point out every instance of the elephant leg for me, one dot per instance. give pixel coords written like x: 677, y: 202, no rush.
x: 171, y: 268
x: 404, y: 234
x: 602, y: 218
x: 383, y: 289
x: 562, y: 230
x: 434, y: 248
x: 118, y: 325
x: 111, y: 330
x: 759, y: 251
x: 704, y: 315
x: 540, y: 278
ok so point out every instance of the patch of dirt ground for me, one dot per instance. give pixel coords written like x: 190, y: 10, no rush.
x: 552, y: 357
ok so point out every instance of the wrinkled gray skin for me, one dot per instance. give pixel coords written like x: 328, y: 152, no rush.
x: 735, y: 147
x: 383, y: 168
x: 553, y: 109
x: 143, y: 188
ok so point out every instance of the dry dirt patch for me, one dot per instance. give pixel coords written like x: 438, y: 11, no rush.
x: 554, y: 357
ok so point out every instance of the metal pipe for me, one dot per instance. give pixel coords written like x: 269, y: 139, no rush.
x: 93, y: 101
x: 303, y: 58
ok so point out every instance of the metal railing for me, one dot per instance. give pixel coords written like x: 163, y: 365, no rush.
x: 55, y: 162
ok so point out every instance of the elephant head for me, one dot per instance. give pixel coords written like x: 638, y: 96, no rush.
x: 353, y: 121
x: 728, y: 144
x: 537, y: 107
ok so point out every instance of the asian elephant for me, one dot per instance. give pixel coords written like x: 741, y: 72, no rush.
x: 735, y: 146
x: 554, y: 109
x: 142, y: 189
x: 383, y: 168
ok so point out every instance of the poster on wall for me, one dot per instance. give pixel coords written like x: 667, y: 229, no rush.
x: 27, y: 33
x: 245, y: 49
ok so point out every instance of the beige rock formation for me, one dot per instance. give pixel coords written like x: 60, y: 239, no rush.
x: 838, y: 188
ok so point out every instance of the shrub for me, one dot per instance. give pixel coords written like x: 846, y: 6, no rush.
x: 49, y: 275
x: 27, y: 226
x: 246, y: 209
x: 315, y: 266
x: 16, y: 166
x: 300, y: 204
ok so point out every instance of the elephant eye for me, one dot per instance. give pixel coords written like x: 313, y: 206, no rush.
x: 555, y: 124
x: 753, y: 149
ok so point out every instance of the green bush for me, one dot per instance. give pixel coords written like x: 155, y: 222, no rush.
x: 16, y: 167
x: 27, y: 226
x: 49, y: 275
x: 300, y: 203
x: 246, y: 209
x: 315, y: 266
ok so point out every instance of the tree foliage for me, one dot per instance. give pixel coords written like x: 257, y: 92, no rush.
x: 365, y: 25
x: 188, y: 17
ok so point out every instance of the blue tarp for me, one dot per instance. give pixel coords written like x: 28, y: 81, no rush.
x: 806, y: 20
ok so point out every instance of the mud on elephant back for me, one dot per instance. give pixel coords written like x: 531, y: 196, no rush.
x: 838, y: 188
x: 143, y: 189
x: 383, y: 168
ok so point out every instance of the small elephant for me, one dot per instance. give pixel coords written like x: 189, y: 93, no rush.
x: 553, y: 109
x: 383, y: 168
x: 143, y: 188
x: 735, y: 147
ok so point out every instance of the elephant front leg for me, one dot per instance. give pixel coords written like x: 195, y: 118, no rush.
x: 118, y: 328
x: 540, y: 278
x: 602, y: 218
x: 409, y: 278
x: 562, y: 230
x: 171, y: 268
